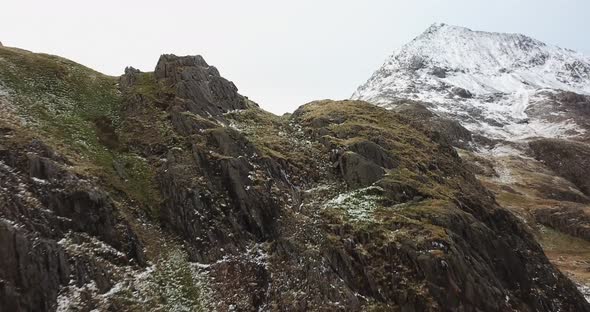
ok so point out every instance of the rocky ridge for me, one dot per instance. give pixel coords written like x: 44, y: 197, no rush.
x: 169, y: 190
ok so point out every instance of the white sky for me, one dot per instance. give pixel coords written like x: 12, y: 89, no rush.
x: 280, y: 54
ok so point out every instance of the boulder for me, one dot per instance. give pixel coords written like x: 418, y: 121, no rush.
x: 375, y: 153
x: 463, y: 93
x: 358, y: 171
x: 439, y: 72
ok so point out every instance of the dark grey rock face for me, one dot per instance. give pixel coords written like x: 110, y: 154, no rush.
x: 372, y: 151
x: 439, y: 72
x: 225, y: 206
x: 568, y: 159
x: 359, y: 171
x: 40, y: 204
x: 129, y: 78
x: 32, y: 268
x: 198, y: 86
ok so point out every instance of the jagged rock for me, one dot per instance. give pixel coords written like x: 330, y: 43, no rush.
x: 129, y: 78
x: 257, y: 210
x: 416, y: 62
x: 31, y: 270
x: 45, y: 203
x: 198, y: 86
x: 457, y: 135
x: 229, y: 142
x: 187, y: 123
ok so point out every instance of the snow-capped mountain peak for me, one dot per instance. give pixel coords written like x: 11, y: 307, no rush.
x: 491, y: 81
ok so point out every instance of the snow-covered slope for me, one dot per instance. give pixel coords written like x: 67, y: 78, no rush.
x: 505, y: 86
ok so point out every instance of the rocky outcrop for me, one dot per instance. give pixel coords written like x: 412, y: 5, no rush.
x: 235, y: 199
x: 463, y: 93
x: 451, y: 129
x: 198, y: 86
x: 568, y: 159
x: 375, y: 153
x: 358, y: 171
x: 129, y: 78
x: 574, y: 221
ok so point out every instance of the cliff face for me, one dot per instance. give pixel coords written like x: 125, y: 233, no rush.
x: 171, y: 191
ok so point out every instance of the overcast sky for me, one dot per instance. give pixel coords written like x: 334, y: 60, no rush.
x: 280, y: 54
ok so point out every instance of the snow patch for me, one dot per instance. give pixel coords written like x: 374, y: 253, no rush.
x: 358, y: 204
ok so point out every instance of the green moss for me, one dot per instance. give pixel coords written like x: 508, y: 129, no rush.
x: 139, y: 183
x: 147, y: 86
x: 174, y: 286
x: 425, y: 184
x: 275, y: 137
x: 60, y: 98
x: 558, y: 242
x: 63, y: 102
x: 348, y: 122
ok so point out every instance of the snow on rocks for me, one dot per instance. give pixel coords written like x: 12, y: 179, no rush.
x: 491, y: 82
x: 585, y: 290
x: 171, y: 284
x: 358, y: 204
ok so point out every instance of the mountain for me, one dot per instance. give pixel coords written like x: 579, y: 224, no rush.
x: 517, y: 111
x: 502, y: 86
x: 170, y: 191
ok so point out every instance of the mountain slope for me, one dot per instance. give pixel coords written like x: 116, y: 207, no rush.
x: 518, y: 112
x: 504, y: 86
x: 170, y: 191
